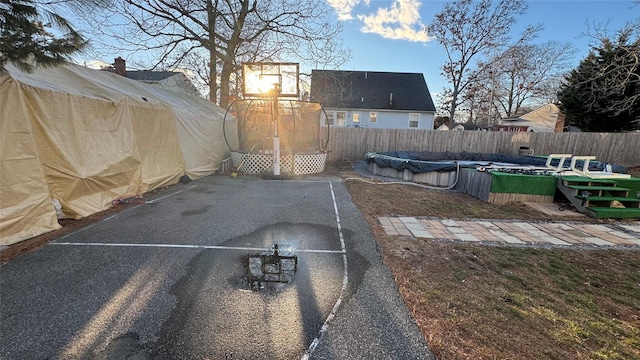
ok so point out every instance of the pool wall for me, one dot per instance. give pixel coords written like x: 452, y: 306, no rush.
x: 458, y: 171
x: 503, y: 188
x: 433, y: 178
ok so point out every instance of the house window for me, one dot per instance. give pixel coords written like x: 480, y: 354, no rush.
x: 356, y: 118
x: 329, y: 119
x: 414, y: 120
x: 341, y: 118
x: 373, y: 117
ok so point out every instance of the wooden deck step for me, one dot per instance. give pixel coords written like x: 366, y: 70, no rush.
x: 578, y: 180
x: 609, y: 198
x: 616, y: 213
x: 609, y: 201
x: 599, y: 188
x: 607, y: 191
x: 604, y: 199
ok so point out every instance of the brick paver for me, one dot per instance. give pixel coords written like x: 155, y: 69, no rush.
x: 514, y: 232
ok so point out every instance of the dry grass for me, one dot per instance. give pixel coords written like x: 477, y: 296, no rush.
x: 484, y: 302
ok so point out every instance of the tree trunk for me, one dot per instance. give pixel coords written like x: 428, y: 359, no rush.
x: 228, y: 59
x: 225, y: 78
x: 454, y: 105
x: 213, y: 77
x: 212, y: 16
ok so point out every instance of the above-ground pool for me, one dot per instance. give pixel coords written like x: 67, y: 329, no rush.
x: 598, y: 189
x: 440, y: 168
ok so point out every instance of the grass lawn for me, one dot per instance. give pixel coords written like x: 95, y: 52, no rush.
x: 491, y: 302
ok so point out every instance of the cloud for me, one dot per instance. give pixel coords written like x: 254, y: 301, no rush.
x: 401, y: 21
x: 344, y: 7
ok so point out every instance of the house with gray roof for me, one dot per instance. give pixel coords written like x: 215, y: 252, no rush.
x: 546, y: 118
x: 169, y: 80
x: 374, y: 99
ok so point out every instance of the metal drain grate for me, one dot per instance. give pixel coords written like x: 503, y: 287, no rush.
x: 277, y: 265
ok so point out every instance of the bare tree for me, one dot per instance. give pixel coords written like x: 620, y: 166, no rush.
x: 468, y: 29
x: 218, y: 35
x: 521, y: 72
x: 549, y: 89
x: 476, y: 100
x: 334, y: 87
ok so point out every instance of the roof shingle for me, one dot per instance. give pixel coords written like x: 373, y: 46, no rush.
x: 371, y: 90
x: 149, y: 75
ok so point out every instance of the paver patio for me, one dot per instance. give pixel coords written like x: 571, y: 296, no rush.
x: 515, y: 232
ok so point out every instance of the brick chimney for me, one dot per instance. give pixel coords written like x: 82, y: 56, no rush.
x: 120, y: 66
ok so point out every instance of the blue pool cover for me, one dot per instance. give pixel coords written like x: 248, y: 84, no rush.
x: 426, y: 161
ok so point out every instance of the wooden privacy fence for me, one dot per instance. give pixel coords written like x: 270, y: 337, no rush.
x: 617, y: 148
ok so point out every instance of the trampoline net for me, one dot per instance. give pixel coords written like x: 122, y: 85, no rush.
x: 298, y: 125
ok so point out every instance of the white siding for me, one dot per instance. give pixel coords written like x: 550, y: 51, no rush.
x: 385, y: 119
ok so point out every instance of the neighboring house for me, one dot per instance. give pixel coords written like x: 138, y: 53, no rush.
x: 546, y: 118
x: 168, y: 80
x: 373, y: 99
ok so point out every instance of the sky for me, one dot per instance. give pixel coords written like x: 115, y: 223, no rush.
x: 386, y: 35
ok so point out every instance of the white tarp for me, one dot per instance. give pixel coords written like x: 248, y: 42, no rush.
x: 86, y: 137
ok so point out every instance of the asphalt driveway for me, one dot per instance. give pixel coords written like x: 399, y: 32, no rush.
x: 165, y: 280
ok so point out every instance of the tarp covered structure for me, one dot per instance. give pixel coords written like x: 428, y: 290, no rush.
x: 86, y: 137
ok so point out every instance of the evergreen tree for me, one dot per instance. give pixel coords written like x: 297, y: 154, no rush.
x: 603, y: 92
x: 25, y: 40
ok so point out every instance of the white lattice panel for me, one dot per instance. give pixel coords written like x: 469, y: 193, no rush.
x: 252, y: 164
x: 255, y: 164
x: 309, y: 163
